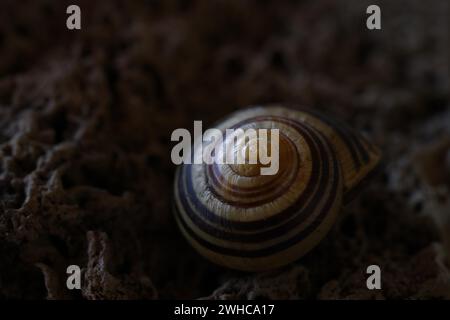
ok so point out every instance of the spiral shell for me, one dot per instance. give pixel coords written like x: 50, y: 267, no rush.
x: 238, y: 218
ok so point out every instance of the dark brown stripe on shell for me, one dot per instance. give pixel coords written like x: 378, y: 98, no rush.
x: 343, y: 133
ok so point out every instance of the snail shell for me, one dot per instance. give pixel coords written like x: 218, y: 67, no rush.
x: 243, y: 220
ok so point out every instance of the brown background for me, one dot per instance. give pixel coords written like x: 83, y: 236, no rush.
x: 86, y: 118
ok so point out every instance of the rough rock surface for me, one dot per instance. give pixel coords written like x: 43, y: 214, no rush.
x: 86, y: 119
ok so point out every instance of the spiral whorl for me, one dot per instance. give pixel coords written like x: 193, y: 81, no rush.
x: 241, y: 219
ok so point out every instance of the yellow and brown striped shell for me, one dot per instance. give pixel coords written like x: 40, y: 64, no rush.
x: 259, y: 222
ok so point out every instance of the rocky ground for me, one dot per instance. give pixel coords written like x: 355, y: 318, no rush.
x: 86, y: 118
